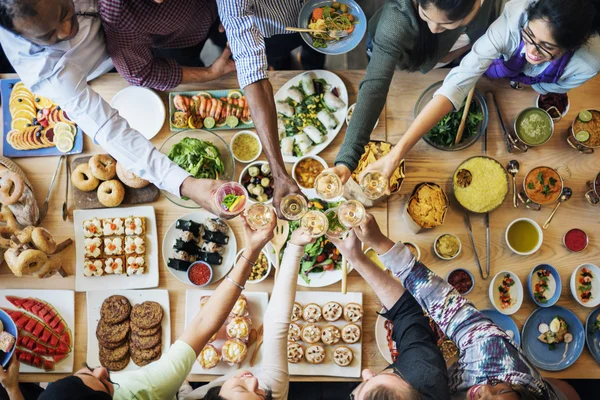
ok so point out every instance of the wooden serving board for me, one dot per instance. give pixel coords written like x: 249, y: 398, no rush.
x: 87, y: 200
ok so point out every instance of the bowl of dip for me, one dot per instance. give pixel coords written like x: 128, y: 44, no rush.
x: 544, y: 285
x: 534, y: 126
x: 524, y: 236
x: 306, y: 170
x: 447, y: 246
x: 462, y: 280
x: 506, y: 292
x: 200, y: 273
x: 245, y: 146
x: 575, y: 240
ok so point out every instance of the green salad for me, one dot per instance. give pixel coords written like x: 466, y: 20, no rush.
x: 444, y: 133
x: 199, y: 158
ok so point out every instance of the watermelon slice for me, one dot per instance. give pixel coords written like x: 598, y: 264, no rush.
x: 35, y: 361
x: 54, y: 340
x: 31, y: 325
x: 22, y: 321
x: 58, y: 358
x: 46, y: 336
x: 28, y: 304
x: 38, y: 329
x: 15, y: 301
x: 66, y: 338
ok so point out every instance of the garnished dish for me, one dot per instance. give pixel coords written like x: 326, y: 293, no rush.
x: 575, y: 240
x: 427, y: 206
x: 306, y: 171
x: 584, y: 281
x: 198, y: 157
x: 506, y: 292
x: 334, y: 17
x: 258, y: 181
x: 215, y: 109
x: 534, y: 126
x: 260, y: 269
x: 544, y: 285
x: 447, y: 246
x: 556, y: 332
x: 543, y: 185
x: 586, y: 128
x: 443, y: 134
x: 373, y: 152
x: 480, y: 184
x: 246, y: 146
x: 462, y: 280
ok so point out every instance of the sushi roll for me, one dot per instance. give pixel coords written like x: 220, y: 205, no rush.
x: 308, y: 86
x: 92, y: 228
x: 187, y: 236
x: 216, y: 225
x: 188, y: 247
x: 327, y: 119
x: 314, y: 134
x: 113, y: 227
x: 189, y: 226
x: 135, y: 226
x: 93, y: 247
x: 211, y: 247
x: 114, y: 265
x: 303, y: 142
x: 135, y: 265
x: 183, y: 255
x: 93, y: 267
x: 217, y: 237
x: 333, y: 102
x: 178, y: 265
x: 113, y: 246
x: 287, y: 146
x: 135, y: 245
x: 285, y: 109
x: 281, y: 128
x: 294, y: 95
x: 210, y: 258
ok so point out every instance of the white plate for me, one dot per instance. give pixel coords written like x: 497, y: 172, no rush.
x: 94, y: 303
x: 381, y: 338
x: 340, y: 115
x: 328, y: 367
x: 257, y: 305
x: 219, y: 271
x: 147, y: 280
x: 142, y: 108
x: 64, y: 303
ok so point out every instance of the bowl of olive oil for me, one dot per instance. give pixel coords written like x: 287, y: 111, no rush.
x: 524, y: 236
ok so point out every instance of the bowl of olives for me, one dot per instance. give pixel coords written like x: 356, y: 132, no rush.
x: 257, y: 178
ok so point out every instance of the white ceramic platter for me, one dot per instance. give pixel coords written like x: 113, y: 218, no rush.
x: 142, y: 108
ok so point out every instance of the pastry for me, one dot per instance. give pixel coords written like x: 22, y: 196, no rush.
x: 238, y: 328
x: 93, y: 267
x: 93, y: 247
x: 240, y: 308
x: 103, y: 166
x: 209, y: 357
x: 83, y: 179
x: 296, y: 312
x: 343, y: 356
x: 114, y: 265
x: 113, y: 246
x: 315, y: 354
x: 146, y: 342
x: 351, y: 333
x: 111, y: 193
x: 294, y: 332
x: 234, y: 351
x: 135, y: 265
x: 115, y: 354
x: 92, y: 228
x: 115, y: 365
x: 115, y: 309
x: 312, y: 313
x: 112, y: 333
x: 147, y: 315
x: 11, y: 187
x: 332, y: 311
x: 295, y: 352
x: 113, y: 227
x: 129, y: 178
x: 331, y: 334
x: 136, y: 330
x: 353, y: 312
x: 311, y: 333
x: 135, y: 226
x: 43, y: 240
x: 135, y: 245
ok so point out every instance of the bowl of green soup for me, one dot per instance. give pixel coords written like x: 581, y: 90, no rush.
x: 524, y: 236
x: 534, y: 126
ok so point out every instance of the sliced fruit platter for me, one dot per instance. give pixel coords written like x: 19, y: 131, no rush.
x: 34, y: 125
x: 45, y: 340
x: 213, y: 110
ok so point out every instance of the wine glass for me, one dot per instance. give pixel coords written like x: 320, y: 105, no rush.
x: 351, y: 213
x: 259, y: 216
x: 315, y: 222
x: 336, y: 229
x: 328, y: 185
x: 293, y: 206
x: 231, y: 198
x: 374, y: 185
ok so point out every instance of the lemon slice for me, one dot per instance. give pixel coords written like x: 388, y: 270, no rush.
x: 63, y: 134
x: 209, y: 122
x: 62, y: 127
x: 195, y: 122
x: 24, y: 113
x: 20, y: 123
x: 585, y: 116
x: 232, y: 121
x: 204, y: 94
x: 582, y: 136
x: 179, y: 119
x: 42, y: 102
x: 235, y: 94
x: 64, y: 144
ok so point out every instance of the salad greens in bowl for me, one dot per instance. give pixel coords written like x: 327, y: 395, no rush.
x: 201, y: 153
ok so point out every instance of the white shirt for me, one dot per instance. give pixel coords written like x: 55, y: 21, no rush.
x: 502, y: 39
x: 61, y: 71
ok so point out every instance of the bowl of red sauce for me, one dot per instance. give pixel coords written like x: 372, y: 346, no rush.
x: 200, y: 273
x: 575, y: 240
x: 462, y: 280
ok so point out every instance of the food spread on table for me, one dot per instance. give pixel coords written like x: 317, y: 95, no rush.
x: 504, y: 291
x: 258, y: 181
x: 543, y: 185
x: 584, y: 285
x: 203, y: 109
x: 544, y: 285
x: 586, y: 128
x: 245, y: 147
x: 447, y: 246
x: 198, y: 157
x: 336, y: 16
x: 480, y: 184
x: 534, y: 126
x: 556, y: 332
x: 373, y: 152
x: 444, y: 132
x: 428, y: 205
x: 461, y: 280
x: 306, y: 171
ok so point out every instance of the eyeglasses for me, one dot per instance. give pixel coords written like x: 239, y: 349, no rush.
x: 395, y: 371
x: 527, y: 38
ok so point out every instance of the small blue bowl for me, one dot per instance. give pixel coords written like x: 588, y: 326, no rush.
x: 10, y: 327
x: 554, y: 273
x: 200, y: 263
x: 344, y: 45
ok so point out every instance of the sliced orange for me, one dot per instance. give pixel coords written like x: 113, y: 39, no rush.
x: 24, y: 113
x: 20, y: 123
x: 42, y: 102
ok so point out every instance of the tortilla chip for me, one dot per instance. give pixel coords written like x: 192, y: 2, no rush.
x: 428, y: 206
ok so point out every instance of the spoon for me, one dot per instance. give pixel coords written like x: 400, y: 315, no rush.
x: 564, y: 196
x: 513, y: 168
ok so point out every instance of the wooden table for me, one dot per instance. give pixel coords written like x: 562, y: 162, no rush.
x: 420, y: 167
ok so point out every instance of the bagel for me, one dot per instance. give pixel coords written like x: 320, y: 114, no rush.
x: 111, y: 193
x: 43, y: 240
x: 49, y: 268
x: 26, y: 262
x: 11, y: 187
x: 83, y: 179
x: 24, y: 236
x: 5, y: 235
x: 103, y: 166
x: 6, y: 215
x: 129, y: 178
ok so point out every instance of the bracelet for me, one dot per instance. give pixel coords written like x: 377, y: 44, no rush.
x: 234, y: 282
x: 248, y: 261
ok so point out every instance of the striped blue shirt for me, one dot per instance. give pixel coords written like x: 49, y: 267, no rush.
x: 247, y: 24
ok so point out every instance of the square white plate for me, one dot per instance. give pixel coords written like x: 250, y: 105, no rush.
x: 328, y: 367
x: 147, y: 280
x: 257, y: 304
x: 64, y: 303
x: 94, y: 303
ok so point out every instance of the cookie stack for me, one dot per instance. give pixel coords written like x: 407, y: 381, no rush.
x: 146, y: 333
x: 112, y: 333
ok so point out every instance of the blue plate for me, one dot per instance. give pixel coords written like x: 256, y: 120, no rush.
x: 504, y: 322
x: 6, y: 86
x: 592, y: 336
x: 10, y: 327
x: 539, y: 353
x: 551, y: 301
x: 344, y: 45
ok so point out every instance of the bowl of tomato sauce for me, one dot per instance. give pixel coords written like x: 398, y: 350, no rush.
x: 200, y: 273
x: 462, y: 280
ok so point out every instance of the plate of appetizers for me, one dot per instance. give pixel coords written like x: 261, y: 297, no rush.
x: 506, y: 292
x: 232, y: 347
x: 592, y: 329
x: 45, y: 320
x: 199, y: 236
x: 506, y: 323
x: 116, y: 248
x: 127, y: 329
x: 553, y: 338
x: 585, y: 286
x: 544, y: 285
x: 311, y: 110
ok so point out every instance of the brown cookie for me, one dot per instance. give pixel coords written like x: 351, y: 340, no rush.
x: 140, y: 362
x: 145, y: 332
x: 116, y: 365
x: 147, y: 354
x: 112, y: 333
x: 113, y: 355
x: 112, y: 346
x: 145, y: 342
x: 115, y: 309
x: 147, y: 315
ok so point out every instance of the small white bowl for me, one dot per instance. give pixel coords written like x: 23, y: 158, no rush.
x: 447, y: 258
x: 245, y: 170
x: 540, y: 233
x: 416, y: 247
x: 237, y: 257
x: 349, y: 116
x: 260, y: 148
x: 319, y: 159
x: 537, y: 104
x: 516, y: 291
x: 595, y: 300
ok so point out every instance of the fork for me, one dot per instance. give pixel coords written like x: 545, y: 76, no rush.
x: 281, y: 234
x: 335, y: 34
x: 259, y: 341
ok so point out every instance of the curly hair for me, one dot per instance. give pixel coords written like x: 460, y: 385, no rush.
x: 13, y: 9
x: 214, y: 393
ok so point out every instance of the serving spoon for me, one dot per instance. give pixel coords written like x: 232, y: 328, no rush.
x: 513, y: 168
x: 564, y: 196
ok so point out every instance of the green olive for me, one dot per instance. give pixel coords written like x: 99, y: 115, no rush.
x: 335, y: 5
x: 343, y: 8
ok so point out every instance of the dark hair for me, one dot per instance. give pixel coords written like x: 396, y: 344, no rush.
x: 384, y: 392
x: 427, y: 42
x: 525, y: 393
x: 13, y: 9
x: 572, y: 22
x: 214, y: 393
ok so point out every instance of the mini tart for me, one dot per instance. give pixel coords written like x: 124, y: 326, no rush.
x: 295, y: 352
x: 113, y: 227
x: 238, y: 328
x: 331, y: 335
x: 311, y: 333
x: 343, y: 356
x: 209, y: 357
x: 135, y: 265
x: 93, y: 267
x: 135, y: 226
x: 234, y: 351
x: 135, y: 245
x: 332, y: 311
x: 312, y: 313
x: 92, y: 228
x: 294, y: 332
x: 113, y: 246
x: 114, y: 265
x: 351, y: 333
x: 240, y: 309
x: 353, y: 312
x: 296, y: 312
x: 93, y: 247
x: 315, y: 354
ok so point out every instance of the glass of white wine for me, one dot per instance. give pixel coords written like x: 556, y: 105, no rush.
x: 259, y: 216
x: 335, y: 230
x: 315, y: 222
x: 374, y: 185
x: 328, y: 185
x: 351, y: 213
x: 293, y: 206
